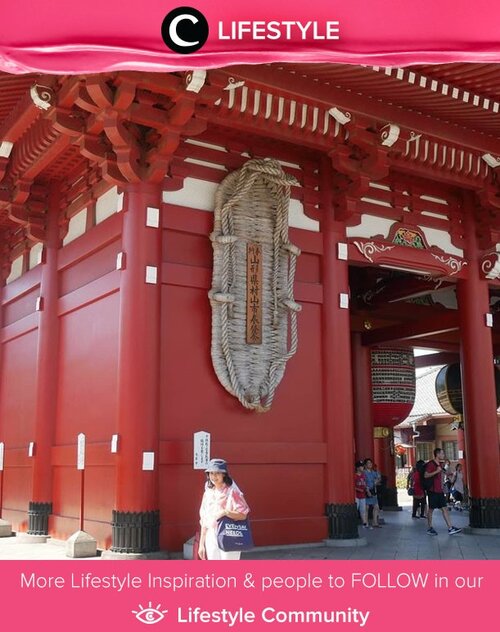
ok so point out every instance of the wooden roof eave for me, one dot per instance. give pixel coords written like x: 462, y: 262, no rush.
x: 294, y: 86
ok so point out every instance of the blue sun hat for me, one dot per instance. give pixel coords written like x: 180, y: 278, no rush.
x: 217, y: 465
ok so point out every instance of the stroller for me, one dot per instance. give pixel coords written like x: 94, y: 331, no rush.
x: 460, y: 501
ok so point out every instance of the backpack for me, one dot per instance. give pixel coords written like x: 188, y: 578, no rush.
x: 427, y: 483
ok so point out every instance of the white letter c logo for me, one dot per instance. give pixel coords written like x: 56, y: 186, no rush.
x: 172, y: 30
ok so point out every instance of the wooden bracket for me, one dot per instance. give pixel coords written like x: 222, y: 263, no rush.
x: 361, y: 154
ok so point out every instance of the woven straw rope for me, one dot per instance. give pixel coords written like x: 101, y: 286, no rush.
x: 251, y: 205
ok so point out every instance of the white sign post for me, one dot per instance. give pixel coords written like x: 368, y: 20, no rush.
x: 5, y: 527
x: 81, y: 544
x: 201, y: 450
x: 80, y: 459
x: 148, y: 461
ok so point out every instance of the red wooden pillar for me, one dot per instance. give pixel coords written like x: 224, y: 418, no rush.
x: 380, y: 446
x: 386, y: 464
x: 337, y: 376
x: 478, y: 385
x: 412, y: 459
x: 388, y: 467
x: 40, y: 506
x: 2, y: 282
x: 362, y: 398
x: 136, y: 518
x: 378, y: 452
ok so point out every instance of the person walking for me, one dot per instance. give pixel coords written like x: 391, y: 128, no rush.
x: 433, y: 475
x: 409, y: 481
x: 222, y: 497
x: 360, y: 493
x: 447, y: 482
x: 380, y: 487
x: 372, y: 480
x: 415, y: 483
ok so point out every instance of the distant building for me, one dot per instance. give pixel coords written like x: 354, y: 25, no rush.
x: 428, y: 425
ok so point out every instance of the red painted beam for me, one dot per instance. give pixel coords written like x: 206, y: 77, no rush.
x: 436, y: 359
x: 296, y: 87
x: 437, y: 344
x: 247, y: 123
x: 400, y: 311
x: 403, y: 289
x: 414, y: 168
x: 443, y: 323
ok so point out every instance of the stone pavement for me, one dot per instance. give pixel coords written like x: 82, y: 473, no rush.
x: 401, y: 538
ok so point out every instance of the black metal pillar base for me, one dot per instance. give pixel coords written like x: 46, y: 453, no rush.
x: 484, y: 513
x: 135, y: 532
x: 38, y: 518
x: 342, y: 521
x: 390, y: 499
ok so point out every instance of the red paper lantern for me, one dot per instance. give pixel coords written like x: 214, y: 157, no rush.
x: 393, y: 385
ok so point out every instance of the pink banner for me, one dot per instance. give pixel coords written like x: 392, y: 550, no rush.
x: 374, y: 596
x: 95, y: 36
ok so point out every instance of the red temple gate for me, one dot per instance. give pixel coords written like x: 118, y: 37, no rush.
x: 107, y: 329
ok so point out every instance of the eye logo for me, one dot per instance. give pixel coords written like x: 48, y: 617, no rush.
x: 149, y: 615
x: 184, y: 30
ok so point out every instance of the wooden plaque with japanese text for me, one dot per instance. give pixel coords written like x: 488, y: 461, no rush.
x: 254, y: 294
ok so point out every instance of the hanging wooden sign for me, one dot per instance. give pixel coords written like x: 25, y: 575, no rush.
x: 254, y: 294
